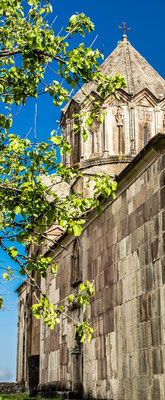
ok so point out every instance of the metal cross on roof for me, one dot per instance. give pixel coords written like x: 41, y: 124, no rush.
x: 124, y: 27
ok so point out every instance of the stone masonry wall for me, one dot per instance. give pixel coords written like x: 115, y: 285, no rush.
x: 9, y: 387
x: 125, y: 258
x: 122, y: 252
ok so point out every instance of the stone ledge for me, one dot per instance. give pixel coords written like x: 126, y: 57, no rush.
x: 10, y: 387
x: 55, y: 389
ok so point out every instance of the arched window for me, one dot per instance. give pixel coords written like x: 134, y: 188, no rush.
x: 145, y: 136
x: 75, y: 143
x: 76, y: 264
x: 76, y: 150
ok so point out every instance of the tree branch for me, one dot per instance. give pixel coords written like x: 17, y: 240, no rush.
x: 7, y: 53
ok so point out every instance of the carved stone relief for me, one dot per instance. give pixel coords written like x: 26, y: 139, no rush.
x: 145, y: 115
x: 164, y: 121
x: 119, y: 117
x: 119, y: 122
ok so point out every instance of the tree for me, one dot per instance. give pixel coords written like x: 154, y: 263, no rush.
x: 25, y: 207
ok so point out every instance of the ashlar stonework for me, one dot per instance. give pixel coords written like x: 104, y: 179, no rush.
x: 122, y: 251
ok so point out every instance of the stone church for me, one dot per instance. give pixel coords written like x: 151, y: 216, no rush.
x: 122, y: 251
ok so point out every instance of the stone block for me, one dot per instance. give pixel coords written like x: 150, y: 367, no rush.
x: 157, y: 225
x: 43, y: 376
x: 157, y: 271
x: 130, y: 207
x: 122, y: 248
x: 129, y: 287
x: 154, y: 304
x: 108, y: 298
x: 157, y: 361
x: 111, y: 354
x: 142, y: 362
x: 53, y: 367
x: 109, y: 275
x: 102, y: 369
x: 144, y: 335
x: 161, y: 164
x: 162, y: 198
x: 154, y: 249
x: 44, y: 361
x: 142, y: 388
x: 141, y: 254
x: 133, y: 241
x: 163, y: 269
x: 101, y: 325
x: 95, y: 325
x: 143, y: 307
x: 109, y: 321
x: 125, y: 227
x: 156, y: 332
x: 152, y: 206
x: 63, y: 354
x: 118, y: 293
x: 64, y: 326
x: 47, y: 344
x: 128, y: 244
x: 98, y: 306
x: 162, y: 301
x: 149, y: 277
x: 130, y: 389
x: 140, y: 236
x: 102, y: 281
x: 96, y: 284
x: 140, y: 215
x: 100, y: 350
x: 155, y: 390
x: 163, y: 220
x: 163, y: 243
x: 132, y: 222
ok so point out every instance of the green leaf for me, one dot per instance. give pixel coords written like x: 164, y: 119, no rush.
x: 13, y: 251
x: 5, y: 276
x: 99, y: 209
x: 22, y: 272
x: 82, y: 287
x: 37, y: 315
x: 17, y: 210
x: 101, y: 118
x: 73, y: 84
x: 71, y: 298
x: 73, y: 19
x: 56, y: 139
x: 1, y: 303
x: 54, y: 268
x: 77, y: 229
x: 114, y: 185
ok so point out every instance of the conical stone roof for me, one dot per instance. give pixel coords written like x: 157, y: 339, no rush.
x: 138, y: 73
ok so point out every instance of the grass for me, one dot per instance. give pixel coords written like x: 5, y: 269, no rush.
x: 22, y: 397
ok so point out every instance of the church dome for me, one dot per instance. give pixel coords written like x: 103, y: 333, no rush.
x: 138, y: 73
x: 131, y: 120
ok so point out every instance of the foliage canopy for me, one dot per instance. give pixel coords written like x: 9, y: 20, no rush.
x: 28, y: 49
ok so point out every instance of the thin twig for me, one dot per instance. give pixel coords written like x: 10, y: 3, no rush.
x: 60, y: 31
x: 53, y: 21
x: 27, y: 133
x: 94, y: 41
x: 35, y: 120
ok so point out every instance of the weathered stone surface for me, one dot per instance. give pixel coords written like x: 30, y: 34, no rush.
x: 123, y: 252
x: 10, y: 387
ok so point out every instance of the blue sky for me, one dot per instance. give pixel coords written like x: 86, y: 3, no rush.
x: 146, y: 19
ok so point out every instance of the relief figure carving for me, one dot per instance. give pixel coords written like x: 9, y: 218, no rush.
x: 119, y: 123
